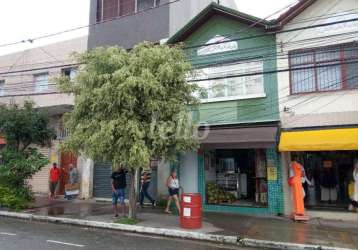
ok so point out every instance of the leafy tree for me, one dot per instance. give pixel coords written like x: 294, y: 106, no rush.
x: 23, y: 128
x: 131, y: 107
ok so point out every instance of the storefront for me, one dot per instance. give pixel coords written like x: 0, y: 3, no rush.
x: 239, y: 170
x: 328, y: 157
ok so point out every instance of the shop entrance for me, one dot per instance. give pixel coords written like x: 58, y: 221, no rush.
x: 329, y: 175
x: 236, y: 177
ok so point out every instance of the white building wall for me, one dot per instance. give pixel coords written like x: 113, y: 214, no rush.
x: 317, y: 109
x: 333, y: 108
x: 183, y: 11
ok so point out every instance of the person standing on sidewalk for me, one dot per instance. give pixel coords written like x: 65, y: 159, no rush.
x: 173, y: 189
x: 54, y: 179
x: 118, y: 190
x: 354, y: 200
x: 145, y: 179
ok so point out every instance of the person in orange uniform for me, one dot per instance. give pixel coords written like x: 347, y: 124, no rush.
x: 54, y: 178
x: 297, y: 172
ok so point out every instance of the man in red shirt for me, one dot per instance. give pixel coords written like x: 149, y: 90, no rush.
x: 54, y: 178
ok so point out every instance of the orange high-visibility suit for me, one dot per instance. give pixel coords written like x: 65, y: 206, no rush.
x: 295, y: 181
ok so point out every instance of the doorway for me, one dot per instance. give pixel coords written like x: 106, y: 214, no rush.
x: 328, y: 177
x: 66, y: 160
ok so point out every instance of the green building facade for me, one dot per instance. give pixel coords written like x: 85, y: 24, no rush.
x: 237, y: 168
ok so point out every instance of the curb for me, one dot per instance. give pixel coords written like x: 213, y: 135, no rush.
x: 284, y: 245
x: 244, y: 242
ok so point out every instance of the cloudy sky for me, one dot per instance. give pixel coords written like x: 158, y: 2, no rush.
x: 24, y: 19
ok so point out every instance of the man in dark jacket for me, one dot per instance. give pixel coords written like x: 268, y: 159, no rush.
x: 118, y: 190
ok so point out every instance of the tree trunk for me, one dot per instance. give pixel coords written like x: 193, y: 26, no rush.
x: 132, y: 213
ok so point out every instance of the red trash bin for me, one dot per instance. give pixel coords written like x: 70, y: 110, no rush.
x: 191, y: 211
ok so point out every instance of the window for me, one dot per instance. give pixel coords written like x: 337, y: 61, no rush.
x: 146, y: 4
x: 2, y: 87
x: 70, y: 73
x: 325, y: 74
x: 232, y: 87
x: 41, y: 82
x: 109, y: 9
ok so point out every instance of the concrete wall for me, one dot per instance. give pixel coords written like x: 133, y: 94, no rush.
x: 317, y: 109
x: 163, y: 173
x: 189, y: 172
x: 151, y: 25
x: 85, y: 167
x: 183, y: 11
x: 20, y: 86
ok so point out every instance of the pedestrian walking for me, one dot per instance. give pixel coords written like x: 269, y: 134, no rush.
x: 73, y: 174
x: 145, y: 180
x: 54, y: 179
x: 72, y: 188
x: 118, y: 190
x: 173, y: 190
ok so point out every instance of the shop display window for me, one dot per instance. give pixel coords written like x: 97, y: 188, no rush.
x: 236, y: 177
x: 328, y: 177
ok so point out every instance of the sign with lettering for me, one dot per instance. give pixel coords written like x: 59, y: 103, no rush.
x: 217, y: 44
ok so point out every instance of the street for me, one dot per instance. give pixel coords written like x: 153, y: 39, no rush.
x: 18, y: 234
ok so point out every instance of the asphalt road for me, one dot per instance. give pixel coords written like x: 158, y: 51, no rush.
x: 20, y: 235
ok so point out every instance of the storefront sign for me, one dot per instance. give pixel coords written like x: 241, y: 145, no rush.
x: 223, y: 45
x: 271, y: 173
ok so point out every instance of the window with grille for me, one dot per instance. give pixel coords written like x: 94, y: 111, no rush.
x: 324, y: 69
x: 41, y: 82
x: 109, y: 9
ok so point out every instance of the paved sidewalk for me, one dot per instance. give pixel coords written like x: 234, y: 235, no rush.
x: 332, y: 233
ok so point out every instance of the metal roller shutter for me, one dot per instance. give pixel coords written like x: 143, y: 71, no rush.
x: 102, y: 181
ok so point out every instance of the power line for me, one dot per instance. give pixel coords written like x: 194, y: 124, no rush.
x: 252, y: 37
x: 31, y: 40
x: 252, y: 49
x: 347, y: 62
x: 274, y: 33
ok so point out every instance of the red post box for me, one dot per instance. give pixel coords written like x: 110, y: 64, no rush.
x: 191, y: 211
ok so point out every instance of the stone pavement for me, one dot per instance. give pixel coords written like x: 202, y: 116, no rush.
x: 333, y: 233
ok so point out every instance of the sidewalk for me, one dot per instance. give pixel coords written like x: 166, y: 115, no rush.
x: 331, y: 233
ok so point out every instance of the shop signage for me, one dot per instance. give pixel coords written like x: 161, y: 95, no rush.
x: 271, y: 173
x: 223, y: 45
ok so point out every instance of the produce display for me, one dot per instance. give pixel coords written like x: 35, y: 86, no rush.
x: 217, y: 195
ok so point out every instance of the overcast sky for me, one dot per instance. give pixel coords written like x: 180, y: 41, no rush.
x: 24, y: 19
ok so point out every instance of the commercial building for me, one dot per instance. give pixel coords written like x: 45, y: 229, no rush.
x: 237, y: 168
x: 318, y: 99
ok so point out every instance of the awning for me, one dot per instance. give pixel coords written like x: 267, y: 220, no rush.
x: 239, y: 137
x: 319, y: 140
